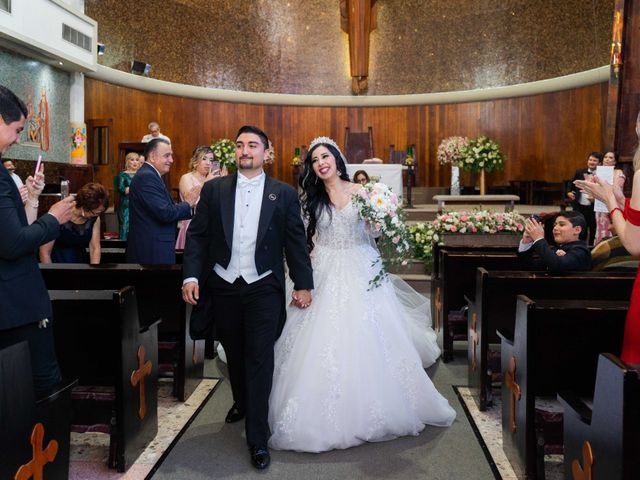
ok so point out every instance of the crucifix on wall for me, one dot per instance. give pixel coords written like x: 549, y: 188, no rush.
x: 358, y: 19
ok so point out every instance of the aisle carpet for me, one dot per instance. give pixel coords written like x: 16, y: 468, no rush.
x: 488, y: 429
x: 89, y: 451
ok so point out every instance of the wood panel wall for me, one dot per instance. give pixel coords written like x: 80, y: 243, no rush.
x: 546, y: 137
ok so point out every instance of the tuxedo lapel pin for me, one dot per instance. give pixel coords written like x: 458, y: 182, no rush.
x: 272, y: 196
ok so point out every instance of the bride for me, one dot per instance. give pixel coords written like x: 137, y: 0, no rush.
x: 349, y: 369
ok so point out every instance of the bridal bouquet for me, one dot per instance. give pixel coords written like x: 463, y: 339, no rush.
x: 380, y: 208
x: 225, y: 152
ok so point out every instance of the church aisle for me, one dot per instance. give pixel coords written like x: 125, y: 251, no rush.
x: 211, y: 448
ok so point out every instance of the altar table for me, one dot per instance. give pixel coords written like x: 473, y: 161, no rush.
x: 388, y: 173
x: 476, y: 200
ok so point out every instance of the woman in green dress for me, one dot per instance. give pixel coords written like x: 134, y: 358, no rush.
x: 132, y: 163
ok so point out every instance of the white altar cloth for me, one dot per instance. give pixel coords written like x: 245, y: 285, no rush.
x: 388, y: 173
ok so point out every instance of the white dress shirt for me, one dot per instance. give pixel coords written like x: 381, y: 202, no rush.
x: 245, y: 231
x: 17, y: 180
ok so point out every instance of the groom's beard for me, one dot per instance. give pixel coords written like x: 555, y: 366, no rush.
x: 245, y: 163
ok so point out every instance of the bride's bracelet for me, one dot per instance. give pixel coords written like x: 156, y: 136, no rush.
x: 33, y: 203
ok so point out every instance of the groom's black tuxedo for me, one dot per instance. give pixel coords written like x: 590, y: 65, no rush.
x: 248, y: 318
x: 210, y: 234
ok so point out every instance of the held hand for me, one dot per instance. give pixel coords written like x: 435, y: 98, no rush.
x: 301, y: 298
x: 35, y: 185
x: 560, y: 253
x: 534, y: 229
x: 63, y: 209
x: 191, y: 293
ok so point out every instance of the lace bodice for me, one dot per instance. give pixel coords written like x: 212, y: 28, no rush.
x: 342, y: 230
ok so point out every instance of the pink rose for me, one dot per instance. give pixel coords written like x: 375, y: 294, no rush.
x: 464, y: 218
x: 474, y: 229
x: 500, y: 227
x: 454, y: 228
x: 396, y: 239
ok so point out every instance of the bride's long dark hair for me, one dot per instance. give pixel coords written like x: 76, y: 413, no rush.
x: 314, y: 197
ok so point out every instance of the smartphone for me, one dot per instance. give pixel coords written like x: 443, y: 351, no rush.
x: 215, y: 168
x: 37, y: 165
x: 64, y: 188
x: 536, y: 217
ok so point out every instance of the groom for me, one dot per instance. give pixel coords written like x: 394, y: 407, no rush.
x: 233, y: 257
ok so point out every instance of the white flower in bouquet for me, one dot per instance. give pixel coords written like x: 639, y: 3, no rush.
x: 380, y: 208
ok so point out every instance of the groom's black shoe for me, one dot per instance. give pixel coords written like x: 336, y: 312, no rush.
x: 235, y: 414
x: 260, y: 457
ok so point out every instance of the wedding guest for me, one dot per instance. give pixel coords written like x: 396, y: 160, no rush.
x: 81, y: 231
x: 603, y: 224
x: 624, y: 214
x: 199, y: 172
x: 570, y: 252
x: 132, y: 163
x: 361, y: 177
x: 153, y: 214
x: 154, y: 132
x: 583, y: 203
x: 11, y: 168
x: 25, y: 308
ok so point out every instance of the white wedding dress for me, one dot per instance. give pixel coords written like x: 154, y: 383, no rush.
x: 349, y: 369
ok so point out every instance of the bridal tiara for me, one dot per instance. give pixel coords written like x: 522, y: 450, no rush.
x: 327, y: 141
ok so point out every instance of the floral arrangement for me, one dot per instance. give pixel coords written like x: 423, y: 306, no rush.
x: 380, y: 208
x: 481, y: 153
x: 423, y: 235
x: 271, y: 158
x: 450, y: 150
x: 225, y: 152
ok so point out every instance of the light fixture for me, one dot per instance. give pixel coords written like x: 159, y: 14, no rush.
x: 101, y: 48
x: 616, y: 43
x: 140, y: 68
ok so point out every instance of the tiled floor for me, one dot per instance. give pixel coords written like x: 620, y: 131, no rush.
x: 89, y: 452
x: 489, y: 423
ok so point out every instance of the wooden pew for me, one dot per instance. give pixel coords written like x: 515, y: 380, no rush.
x: 158, y: 289
x: 455, y: 276
x: 610, y: 428
x: 555, y: 346
x: 35, y: 435
x: 100, y: 341
x: 494, y: 306
x: 115, y: 251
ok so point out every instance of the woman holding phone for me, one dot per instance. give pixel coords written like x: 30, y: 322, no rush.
x: 200, y: 170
